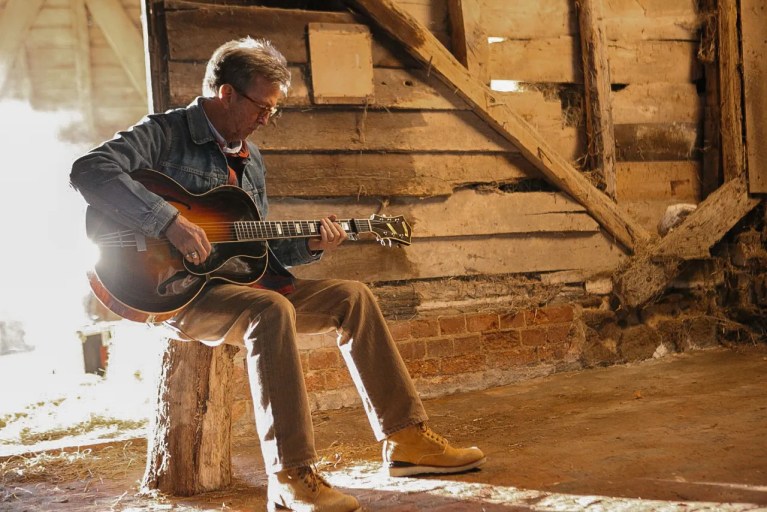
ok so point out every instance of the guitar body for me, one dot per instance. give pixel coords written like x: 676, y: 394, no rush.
x: 148, y: 280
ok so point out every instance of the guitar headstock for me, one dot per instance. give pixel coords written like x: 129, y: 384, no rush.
x: 391, y: 229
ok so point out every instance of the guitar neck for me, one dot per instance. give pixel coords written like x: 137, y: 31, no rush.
x: 279, y: 229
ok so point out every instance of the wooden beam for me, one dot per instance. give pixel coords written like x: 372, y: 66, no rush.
x: 711, y: 176
x: 156, y: 35
x: 649, y: 274
x: 754, y: 27
x: 124, y: 39
x: 83, y: 62
x: 596, y: 80
x: 469, y: 39
x: 730, y: 87
x: 17, y: 17
x: 426, y: 48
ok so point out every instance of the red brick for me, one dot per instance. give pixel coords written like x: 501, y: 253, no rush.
x: 337, y: 379
x: 462, y: 364
x: 315, y: 381
x: 512, y: 320
x: 550, y: 315
x: 439, y: 348
x: 410, y: 350
x: 399, y: 330
x: 559, y: 334
x: 503, y: 340
x: 534, y: 337
x: 482, y: 322
x: 467, y: 344
x: 424, y: 328
x: 320, y: 359
x: 520, y: 356
x: 452, y: 324
x: 423, y: 367
x: 551, y: 352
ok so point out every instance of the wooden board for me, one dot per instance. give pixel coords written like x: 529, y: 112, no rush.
x: 196, y: 30
x: 464, y: 213
x: 341, y: 63
x: 624, y: 19
x: 679, y: 181
x: 657, y: 103
x: 391, y: 174
x: 359, y: 130
x: 754, y: 26
x: 394, y: 88
x: 454, y: 256
x: 654, y: 142
x: 557, y: 60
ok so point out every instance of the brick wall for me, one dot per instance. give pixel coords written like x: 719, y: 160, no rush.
x: 444, y: 354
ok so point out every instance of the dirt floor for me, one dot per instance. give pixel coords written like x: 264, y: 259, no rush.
x: 685, y: 432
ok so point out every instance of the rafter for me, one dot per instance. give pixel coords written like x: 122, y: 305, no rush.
x: 16, y: 19
x: 124, y: 39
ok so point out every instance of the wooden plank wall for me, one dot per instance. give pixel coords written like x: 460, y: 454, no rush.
x: 414, y: 150
x: 46, y: 69
x: 657, y: 109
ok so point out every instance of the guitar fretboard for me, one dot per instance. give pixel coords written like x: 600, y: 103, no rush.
x: 268, y: 230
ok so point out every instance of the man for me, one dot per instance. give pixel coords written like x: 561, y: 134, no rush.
x: 204, y: 146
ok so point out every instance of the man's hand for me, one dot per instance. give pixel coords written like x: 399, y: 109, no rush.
x: 331, y: 235
x: 189, y: 239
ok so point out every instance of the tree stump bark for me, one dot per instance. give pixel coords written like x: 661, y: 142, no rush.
x: 189, y: 445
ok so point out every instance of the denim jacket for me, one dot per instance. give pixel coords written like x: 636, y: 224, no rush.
x: 178, y: 143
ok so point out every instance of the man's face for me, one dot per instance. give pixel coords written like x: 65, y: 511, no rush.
x: 251, y: 108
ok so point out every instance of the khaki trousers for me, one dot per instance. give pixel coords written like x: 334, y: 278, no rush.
x: 266, y: 324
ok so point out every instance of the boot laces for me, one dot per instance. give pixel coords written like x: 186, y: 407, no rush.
x: 311, y: 477
x: 430, y: 434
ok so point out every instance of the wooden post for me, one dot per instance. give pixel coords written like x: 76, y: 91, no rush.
x: 730, y: 87
x: 469, y: 39
x: 83, y: 62
x: 711, y: 176
x: 427, y: 49
x: 189, y: 448
x: 754, y: 26
x: 596, y: 80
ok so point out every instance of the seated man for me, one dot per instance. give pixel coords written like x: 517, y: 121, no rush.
x: 202, y: 147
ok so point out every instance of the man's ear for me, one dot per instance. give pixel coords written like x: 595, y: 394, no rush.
x: 225, y: 92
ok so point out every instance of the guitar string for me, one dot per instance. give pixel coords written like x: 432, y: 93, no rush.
x: 268, y: 229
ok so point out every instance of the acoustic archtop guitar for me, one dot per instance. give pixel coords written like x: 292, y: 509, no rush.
x: 148, y: 280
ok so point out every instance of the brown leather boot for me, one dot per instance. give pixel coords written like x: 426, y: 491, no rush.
x: 304, y: 490
x: 417, y: 449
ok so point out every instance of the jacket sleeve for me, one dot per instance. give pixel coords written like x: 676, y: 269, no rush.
x: 293, y: 251
x: 102, y: 177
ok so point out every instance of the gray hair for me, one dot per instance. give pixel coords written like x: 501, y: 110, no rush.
x: 238, y: 62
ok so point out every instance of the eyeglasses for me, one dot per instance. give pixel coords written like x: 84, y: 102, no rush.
x: 264, y: 111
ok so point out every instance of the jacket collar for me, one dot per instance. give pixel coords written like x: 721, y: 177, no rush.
x: 198, y: 122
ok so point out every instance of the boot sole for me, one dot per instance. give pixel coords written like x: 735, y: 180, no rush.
x: 405, y: 469
x: 275, y: 507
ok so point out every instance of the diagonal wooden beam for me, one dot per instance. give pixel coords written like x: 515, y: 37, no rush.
x: 427, y: 49
x: 650, y: 274
x: 17, y: 17
x: 124, y: 39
